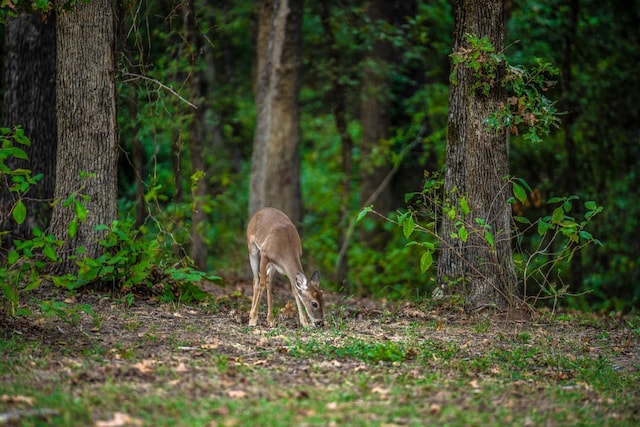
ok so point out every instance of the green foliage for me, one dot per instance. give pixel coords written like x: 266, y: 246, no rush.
x: 558, y: 236
x: 9, y: 9
x: 596, y: 154
x: 131, y: 261
x: 542, y: 268
x: 372, y: 352
x: 526, y: 108
x: 20, y: 271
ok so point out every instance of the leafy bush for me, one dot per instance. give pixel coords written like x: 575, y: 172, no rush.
x: 543, y: 265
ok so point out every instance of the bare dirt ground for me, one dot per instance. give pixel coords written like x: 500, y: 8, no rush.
x: 150, y: 342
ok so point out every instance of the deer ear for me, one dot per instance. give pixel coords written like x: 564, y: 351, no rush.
x: 315, y: 278
x: 301, y: 282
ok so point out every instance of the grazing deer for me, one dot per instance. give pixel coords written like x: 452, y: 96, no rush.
x: 274, y: 245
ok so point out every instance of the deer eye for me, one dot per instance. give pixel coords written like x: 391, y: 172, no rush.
x: 314, y: 304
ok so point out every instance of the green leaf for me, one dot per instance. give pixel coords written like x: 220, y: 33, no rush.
x: 80, y: 210
x: 522, y: 219
x: 489, y: 238
x: 68, y: 201
x: 9, y: 293
x: 18, y: 153
x: 50, y: 253
x: 364, y: 213
x: 558, y: 215
x: 21, y: 138
x: 408, y: 227
x: 554, y: 200
x: 585, y: 235
x: 73, y: 228
x: 19, y: 212
x: 426, y: 260
x: 410, y: 196
x: 463, y: 233
x: 519, y: 192
x: 13, y: 257
x: 451, y: 213
x: 543, y: 226
x: 591, y: 205
x: 464, y: 206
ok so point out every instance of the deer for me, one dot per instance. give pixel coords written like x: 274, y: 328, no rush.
x: 274, y: 246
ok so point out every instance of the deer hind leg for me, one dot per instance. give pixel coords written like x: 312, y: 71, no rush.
x: 255, y: 260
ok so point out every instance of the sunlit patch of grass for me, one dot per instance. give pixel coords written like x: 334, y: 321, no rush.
x: 377, y: 351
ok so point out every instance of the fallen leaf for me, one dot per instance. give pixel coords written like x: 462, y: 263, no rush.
x: 210, y: 345
x: 435, y: 409
x: 18, y: 399
x: 379, y: 390
x: 119, y: 420
x: 145, y: 367
x: 222, y: 411
x: 236, y: 394
x: 181, y: 368
x: 288, y: 310
x: 332, y: 406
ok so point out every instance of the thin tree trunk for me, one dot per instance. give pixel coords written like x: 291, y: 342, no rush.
x: 197, y: 85
x: 569, y: 104
x: 138, y: 155
x: 87, y: 127
x: 275, y: 167
x: 476, y: 167
x: 375, y: 113
x: 338, y: 98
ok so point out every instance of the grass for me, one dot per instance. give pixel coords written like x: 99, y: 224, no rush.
x: 193, y: 369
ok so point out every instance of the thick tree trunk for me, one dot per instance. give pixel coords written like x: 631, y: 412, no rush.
x: 87, y: 128
x: 275, y: 168
x: 30, y: 101
x: 476, y: 167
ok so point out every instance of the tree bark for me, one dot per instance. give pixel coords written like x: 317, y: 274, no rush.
x: 197, y: 139
x: 476, y: 167
x: 338, y: 98
x: 275, y: 167
x: 570, y: 104
x: 30, y: 101
x: 87, y: 128
x: 375, y: 112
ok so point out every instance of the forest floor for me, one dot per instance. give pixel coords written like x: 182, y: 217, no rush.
x: 374, y: 363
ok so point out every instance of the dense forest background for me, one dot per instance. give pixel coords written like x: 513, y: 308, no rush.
x: 176, y: 72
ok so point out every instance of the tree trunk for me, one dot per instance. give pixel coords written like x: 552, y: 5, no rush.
x: 198, y: 90
x: 87, y: 128
x: 275, y: 167
x: 375, y: 113
x: 30, y: 101
x: 476, y: 165
x: 570, y: 104
x: 138, y: 155
x: 338, y: 98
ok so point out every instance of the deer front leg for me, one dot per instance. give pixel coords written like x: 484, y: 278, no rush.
x: 270, y: 273
x: 302, y: 314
